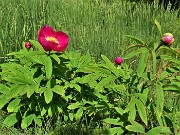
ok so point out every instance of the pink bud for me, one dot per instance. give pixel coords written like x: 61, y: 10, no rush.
x: 167, y: 39
x: 27, y: 45
x: 118, y: 60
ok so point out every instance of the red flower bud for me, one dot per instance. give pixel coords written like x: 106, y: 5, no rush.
x: 167, y: 39
x: 118, y: 60
x: 27, y: 45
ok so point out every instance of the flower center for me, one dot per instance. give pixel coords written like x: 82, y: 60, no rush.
x: 52, y: 39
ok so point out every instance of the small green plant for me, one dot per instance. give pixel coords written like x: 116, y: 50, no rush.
x: 42, y: 82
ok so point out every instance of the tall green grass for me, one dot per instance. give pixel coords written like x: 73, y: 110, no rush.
x: 94, y: 25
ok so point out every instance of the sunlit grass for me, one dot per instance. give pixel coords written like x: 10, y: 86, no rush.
x: 91, y: 25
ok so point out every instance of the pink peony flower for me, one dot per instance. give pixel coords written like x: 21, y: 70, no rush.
x: 51, y: 40
x: 27, y: 45
x: 118, y: 60
x: 167, y: 39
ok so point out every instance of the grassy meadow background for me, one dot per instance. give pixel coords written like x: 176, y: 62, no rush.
x: 96, y: 26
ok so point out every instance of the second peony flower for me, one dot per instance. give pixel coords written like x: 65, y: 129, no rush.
x: 52, y: 40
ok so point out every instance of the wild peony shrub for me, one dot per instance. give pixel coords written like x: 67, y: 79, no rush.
x: 37, y: 85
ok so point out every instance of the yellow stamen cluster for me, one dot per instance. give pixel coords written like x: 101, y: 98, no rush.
x: 53, y: 39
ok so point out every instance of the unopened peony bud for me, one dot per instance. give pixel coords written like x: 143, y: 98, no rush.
x: 167, y: 39
x: 27, y: 45
x: 118, y: 60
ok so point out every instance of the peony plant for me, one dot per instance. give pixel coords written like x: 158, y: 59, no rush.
x: 36, y: 86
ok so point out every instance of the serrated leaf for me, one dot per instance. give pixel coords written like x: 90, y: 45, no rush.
x: 48, y: 95
x: 158, y: 26
x: 159, y: 130
x: 159, y: 99
x: 13, y: 105
x: 136, y: 39
x: 142, y: 62
x: 11, y: 120
x: 141, y: 110
x: 79, y: 114
x: 27, y: 121
x: 59, y: 90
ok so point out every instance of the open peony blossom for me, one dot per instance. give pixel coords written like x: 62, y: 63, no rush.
x: 118, y: 60
x: 52, y: 40
x: 167, y: 39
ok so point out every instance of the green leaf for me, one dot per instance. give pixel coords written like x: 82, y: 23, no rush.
x: 111, y: 121
x: 139, y: 41
x: 135, y: 127
x: 132, y: 46
x: 27, y: 121
x: 132, y: 112
x: 71, y: 116
x: 141, y: 110
x: 158, y: 26
x: 3, y: 102
x: 73, y: 106
x: 48, y: 67
x: 104, y: 82
x: 56, y: 58
x: 159, y: 130
x: 115, y: 131
x: 36, y: 45
x: 110, y: 65
x: 30, y: 90
x: 59, y: 90
x: 38, y: 121
x: 159, y: 99
x: 135, y: 53
x: 169, y: 58
x: 119, y: 110
x: 48, y: 95
x: 142, y: 62
x: 4, y: 89
x: 154, y: 61
x: 11, y: 120
x: 14, y: 105
x: 79, y: 114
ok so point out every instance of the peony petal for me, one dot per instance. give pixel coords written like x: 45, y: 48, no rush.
x: 63, y: 41
x: 46, y: 31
